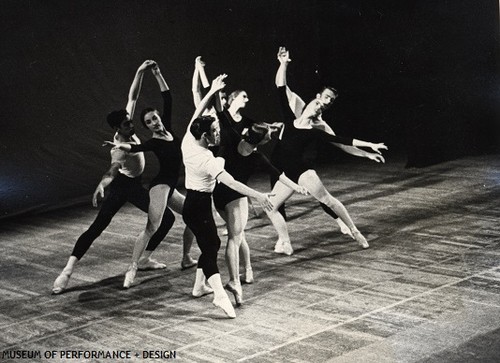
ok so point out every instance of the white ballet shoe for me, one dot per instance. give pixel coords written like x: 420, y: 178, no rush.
x: 278, y: 247
x: 361, y: 239
x: 130, y: 276
x: 287, y: 248
x: 248, y: 276
x: 224, y: 303
x: 201, y: 290
x: 150, y: 264
x: 61, y: 282
x: 343, y: 228
x: 237, y: 291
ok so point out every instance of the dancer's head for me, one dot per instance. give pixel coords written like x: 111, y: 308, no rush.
x: 258, y: 134
x: 238, y: 99
x: 150, y: 118
x: 206, y: 128
x: 323, y: 101
x: 120, y: 121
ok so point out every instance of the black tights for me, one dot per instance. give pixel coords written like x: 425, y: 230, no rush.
x: 123, y: 189
x: 197, y: 215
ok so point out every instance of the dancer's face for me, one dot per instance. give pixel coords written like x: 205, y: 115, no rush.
x: 126, y: 127
x: 322, y: 102
x: 241, y: 100
x: 153, y: 121
x: 214, y: 136
x: 326, y: 98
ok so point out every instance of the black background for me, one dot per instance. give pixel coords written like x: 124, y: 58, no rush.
x: 420, y: 76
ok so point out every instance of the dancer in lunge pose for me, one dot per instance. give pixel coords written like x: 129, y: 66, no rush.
x: 297, y: 105
x: 202, y: 172
x: 123, y: 182
x: 162, y: 189
x: 302, y: 129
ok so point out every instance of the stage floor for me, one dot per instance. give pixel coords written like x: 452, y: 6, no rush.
x: 428, y: 289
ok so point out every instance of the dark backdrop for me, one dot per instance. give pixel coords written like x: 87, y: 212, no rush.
x: 420, y: 76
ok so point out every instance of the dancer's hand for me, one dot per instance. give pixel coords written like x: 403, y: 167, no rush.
x: 99, y: 191
x: 377, y: 147
x: 283, y: 55
x: 300, y: 189
x: 265, y: 201
x: 109, y: 143
x: 146, y: 65
x: 376, y: 157
x: 198, y: 62
x: 155, y: 69
x: 218, y: 83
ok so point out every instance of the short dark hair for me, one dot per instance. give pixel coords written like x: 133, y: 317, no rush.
x: 201, y: 125
x: 256, y: 133
x: 144, y: 112
x: 115, y: 118
x: 335, y: 92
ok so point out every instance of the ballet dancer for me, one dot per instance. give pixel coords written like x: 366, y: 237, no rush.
x: 301, y: 130
x: 162, y: 189
x: 203, y: 170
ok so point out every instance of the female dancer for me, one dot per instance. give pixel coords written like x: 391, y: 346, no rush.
x: 166, y: 147
x: 123, y: 181
x: 242, y: 160
x: 202, y: 172
x: 300, y: 131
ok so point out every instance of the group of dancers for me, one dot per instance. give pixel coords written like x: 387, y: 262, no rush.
x: 219, y: 152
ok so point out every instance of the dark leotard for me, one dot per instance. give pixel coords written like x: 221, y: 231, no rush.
x: 288, y: 153
x: 168, y: 152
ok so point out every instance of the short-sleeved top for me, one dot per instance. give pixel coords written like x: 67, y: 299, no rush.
x: 132, y: 164
x: 168, y: 152
x: 201, y: 166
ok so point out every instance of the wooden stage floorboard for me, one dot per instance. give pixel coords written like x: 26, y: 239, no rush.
x: 428, y: 289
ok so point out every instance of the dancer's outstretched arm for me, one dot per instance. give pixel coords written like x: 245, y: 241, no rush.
x: 353, y: 150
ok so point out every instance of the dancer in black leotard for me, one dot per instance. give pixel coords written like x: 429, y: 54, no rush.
x: 231, y: 205
x: 300, y: 131
x: 122, y: 180
x: 166, y: 147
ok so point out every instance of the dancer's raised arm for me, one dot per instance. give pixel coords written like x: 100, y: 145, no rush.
x: 217, y: 85
x: 294, y: 101
x: 135, y: 88
x: 199, y: 79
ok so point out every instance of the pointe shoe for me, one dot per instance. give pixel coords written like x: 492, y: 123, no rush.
x: 150, y: 264
x: 188, y: 262
x: 278, y: 247
x: 237, y: 292
x: 248, y: 276
x: 225, y: 304
x: 130, y: 276
x: 343, y: 228
x: 61, y: 282
x: 202, y: 290
x: 360, y: 239
x: 287, y: 248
